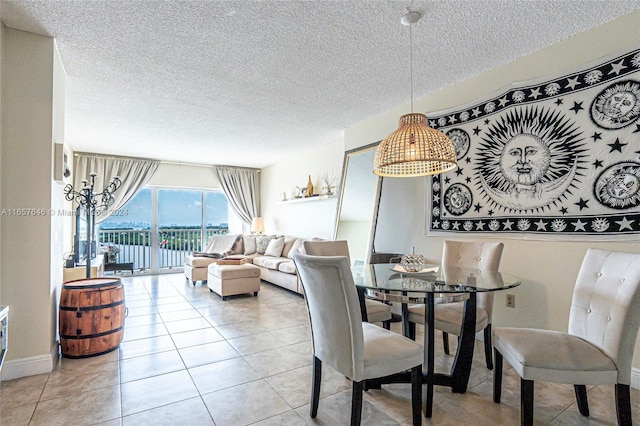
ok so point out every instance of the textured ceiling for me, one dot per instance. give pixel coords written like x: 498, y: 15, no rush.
x: 248, y: 82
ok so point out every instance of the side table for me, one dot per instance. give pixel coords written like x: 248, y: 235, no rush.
x: 114, y: 267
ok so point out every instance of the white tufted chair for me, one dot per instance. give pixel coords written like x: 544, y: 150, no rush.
x: 448, y: 316
x: 376, y: 311
x: 356, y: 349
x: 598, y: 349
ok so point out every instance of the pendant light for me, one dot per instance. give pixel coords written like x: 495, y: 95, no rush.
x: 415, y: 149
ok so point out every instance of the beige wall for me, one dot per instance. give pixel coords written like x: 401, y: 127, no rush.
x: 174, y: 175
x: 307, y: 219
x: 30, y: 267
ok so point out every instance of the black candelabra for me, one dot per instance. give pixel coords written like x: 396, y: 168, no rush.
x: 91, y: 201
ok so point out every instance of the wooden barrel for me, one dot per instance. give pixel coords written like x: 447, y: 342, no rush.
x: 91, y: 317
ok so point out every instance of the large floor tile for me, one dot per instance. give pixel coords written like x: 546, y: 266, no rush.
x: 290, y: 418
x: 144, y: 332
x: 256, y: 343
x: 150, y: 365
x: 92, y: 407
x: 189, y: 412
x: 223, y: 374
x: 336, y: 410
x: 196, y: 337
x: 187, y: 325
x: 152, y: 345
x: 154, y: 392
x: 17, y: 416
x: 294, y: 386
x: 245, y: 404
x: 277, y: 360
x: 14, y: 393
x: 64, y: 383
x: 208, y: 353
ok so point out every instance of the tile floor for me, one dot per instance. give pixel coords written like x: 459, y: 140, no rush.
x: 189, y: 358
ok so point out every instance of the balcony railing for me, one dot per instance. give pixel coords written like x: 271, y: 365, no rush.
x: 174, y: 245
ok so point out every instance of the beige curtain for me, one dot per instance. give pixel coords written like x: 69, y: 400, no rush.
x: 134, y: 174
x: 242, y: 188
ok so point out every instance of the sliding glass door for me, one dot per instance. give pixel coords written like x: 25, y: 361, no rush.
x: 160, y: 226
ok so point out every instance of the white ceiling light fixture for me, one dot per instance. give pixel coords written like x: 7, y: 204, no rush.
x: 415, y: 149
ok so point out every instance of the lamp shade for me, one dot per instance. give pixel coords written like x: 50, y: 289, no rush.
x: 257, y: 225
x: 415, y: 149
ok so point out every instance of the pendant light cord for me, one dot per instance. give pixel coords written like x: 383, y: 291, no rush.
x: 411, y: 62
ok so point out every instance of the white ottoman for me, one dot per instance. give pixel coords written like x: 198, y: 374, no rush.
x: 228, y: 280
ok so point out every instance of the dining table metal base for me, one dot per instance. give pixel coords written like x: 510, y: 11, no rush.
x: 458, y: 379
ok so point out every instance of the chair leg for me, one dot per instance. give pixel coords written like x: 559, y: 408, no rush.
x: 488, y: 346
x: 581, y: 399
x: 315, y: 387
x: 445, y: 342
x: 623, y: 405
x: 412, y: 331
x: 526, y: 402
x: 386, y: 325
x: 497, y: 377
x: 416, y: 394
x: 356, y: 403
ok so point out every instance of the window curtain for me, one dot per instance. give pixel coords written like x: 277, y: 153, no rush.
x: 134, y: 174
x: 242, y: 188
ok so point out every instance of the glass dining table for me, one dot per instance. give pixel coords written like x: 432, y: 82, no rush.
x: 388, y: 282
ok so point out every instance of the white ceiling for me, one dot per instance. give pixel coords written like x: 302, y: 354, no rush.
x: 246, y: 82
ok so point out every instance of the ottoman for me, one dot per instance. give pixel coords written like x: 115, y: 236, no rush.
x: 228, y: 280
x: 195, y: 268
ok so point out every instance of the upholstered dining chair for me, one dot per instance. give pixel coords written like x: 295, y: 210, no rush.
x: 376, y: 311
x: 356, y: 349
x: 448, y: 316
x: 598, y: 347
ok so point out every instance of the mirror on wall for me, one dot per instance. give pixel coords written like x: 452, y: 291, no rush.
x: 358, y: 206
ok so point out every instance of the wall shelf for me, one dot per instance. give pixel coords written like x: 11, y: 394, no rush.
x: 308, y: 199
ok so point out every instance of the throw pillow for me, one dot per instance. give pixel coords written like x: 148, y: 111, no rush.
x: 295, y: 247
x: 249, y: 244
x: 288, y: 243
x: 262, y: 243
x: 275, y: 247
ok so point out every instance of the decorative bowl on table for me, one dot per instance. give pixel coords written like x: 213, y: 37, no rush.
x: 413, y: 262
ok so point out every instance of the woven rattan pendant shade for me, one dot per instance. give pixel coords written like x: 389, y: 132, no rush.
x: 415, y: 149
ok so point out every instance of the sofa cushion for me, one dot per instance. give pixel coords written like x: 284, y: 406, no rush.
x: 234, y: 271
x: 249, y: 244
x: 275, y: 247
x: 269, y: 262
x: 262, y: 242
x: 288, y: 243
x: 295, y: 247
x: 200, y: 262
x: 288, y: 267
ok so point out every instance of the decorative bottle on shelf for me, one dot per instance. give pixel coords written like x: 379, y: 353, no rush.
x: 309, y: 187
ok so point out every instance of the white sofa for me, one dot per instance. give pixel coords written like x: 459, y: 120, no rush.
x: 271, y: 253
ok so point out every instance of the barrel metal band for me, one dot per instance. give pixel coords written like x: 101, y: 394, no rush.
x: 89, y: 336
x: 91, y: 308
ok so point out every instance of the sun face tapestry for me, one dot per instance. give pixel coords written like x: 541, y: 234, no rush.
x: 560, y: 157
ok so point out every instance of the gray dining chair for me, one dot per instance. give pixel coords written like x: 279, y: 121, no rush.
x: 376, y: 311
x: 448, y: 316
x: 598, y: 347
x: 356, y: 349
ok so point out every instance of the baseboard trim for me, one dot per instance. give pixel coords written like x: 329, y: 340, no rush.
x: 635, y: 378
x: 30, y: 366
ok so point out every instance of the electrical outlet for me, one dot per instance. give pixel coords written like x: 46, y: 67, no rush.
x: 511, y: 300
